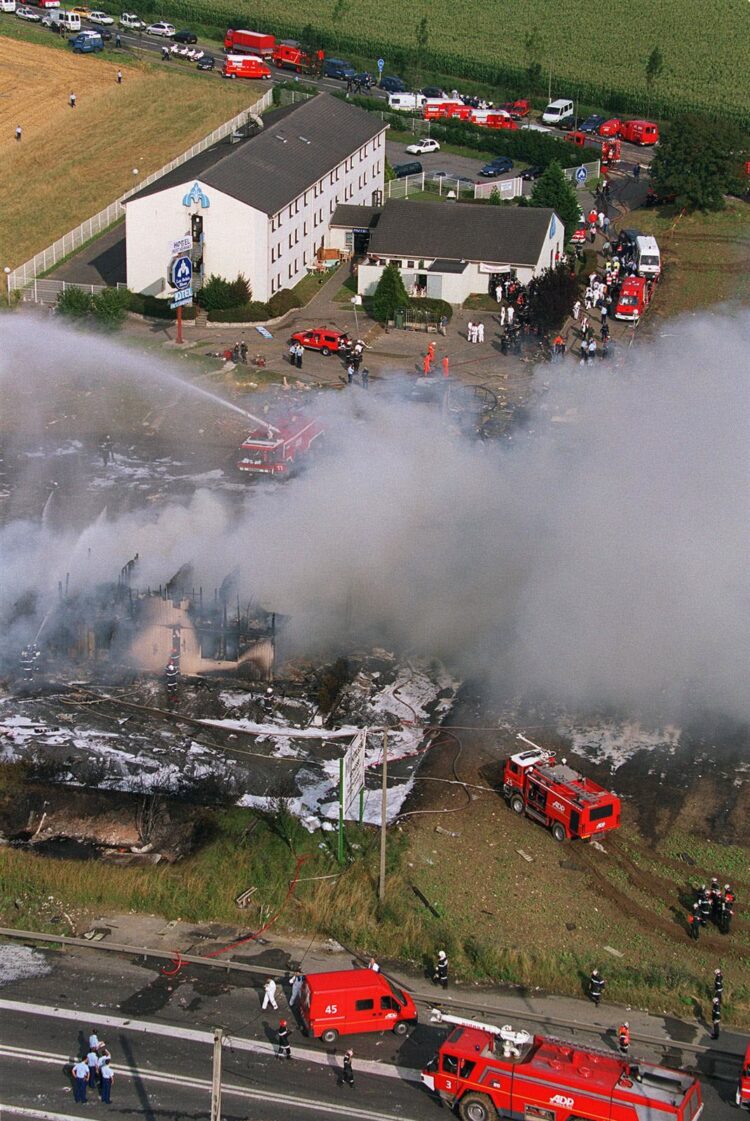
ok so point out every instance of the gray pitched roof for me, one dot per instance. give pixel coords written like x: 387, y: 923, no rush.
x: 348, y: 217
x: 295, y: 149
x: 461, y: 232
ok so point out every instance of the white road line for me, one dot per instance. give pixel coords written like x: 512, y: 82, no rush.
x: 192, y: 1035
x: 189, y: 1083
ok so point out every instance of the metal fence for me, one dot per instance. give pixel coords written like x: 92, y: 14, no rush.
x: 593, y: 171
x: 46, y: 291
x: 24, y: 274
x: 451, y: 187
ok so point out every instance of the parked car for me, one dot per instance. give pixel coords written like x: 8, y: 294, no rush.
x: 338, y: 68
x: 86, y: 43
x: 423, y: 147
x: 531, y: 173
x: 323, y: 339
x: 28, y: 14
x: 164, y: 29
x: 131, y: 22
x: 497, y: 166
x: 610, y: 127
x: 433, y: 92
x: 206, y: 63
x: 101, y: 18
x: 433, y: 176
x: 82, y: 11
x: 592, y: 123
x: 185, y: 36
x: 391, y: 84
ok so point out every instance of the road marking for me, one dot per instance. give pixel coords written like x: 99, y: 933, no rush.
x: 190, y: 1083
x: 192, y: 1035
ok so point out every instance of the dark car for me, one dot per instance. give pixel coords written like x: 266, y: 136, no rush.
x: 626, y: 240
x: 206, y: 63
x: 531, y: 173
x: 392, y: 84
x: 591, y: 124
x: 185, y: 37
x: 497, y: 167
x: 338, y: 68
x: 402, y: 170
x: 432, y: 91
x: 365, y: 80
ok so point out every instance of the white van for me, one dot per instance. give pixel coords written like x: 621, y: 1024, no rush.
x: 7, y: 6
x: 59, y: 19
x: 558, y: 111
x: 647, y: 256
x: 406, y: 101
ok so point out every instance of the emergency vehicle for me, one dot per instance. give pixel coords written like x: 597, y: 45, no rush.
x: 278, y: 450
x: 249, y: 42
x: 569, y: 804
x: 517, y: 109
x: 245, y: 66
x: 324, y: 339
x: 349, y: 1001
x: 609, y: 151
x: 492, y: 118
x: 743, y: 1086
x: 290, y: 56
x: 485, y: 1071
x: 639, y: 132
x: 633, y: 299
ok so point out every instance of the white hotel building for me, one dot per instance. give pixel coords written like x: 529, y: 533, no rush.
x: 266, y: 202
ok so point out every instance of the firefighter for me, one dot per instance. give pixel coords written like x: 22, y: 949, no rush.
x: 704, y: 902
x: 347, y: 1074
x: 596, y: 986
x: 716, y: 1017
x: 718, y: 984
x: 623, y: 1038
x: 171, y: 675
x: 440, y: 973
x: 282, y: 1038
x: 714, y: 894
x: 105, y: 449
x: 694, y: 922
x: 727, y: 910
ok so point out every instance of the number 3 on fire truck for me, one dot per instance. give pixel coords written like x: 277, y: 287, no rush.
x: 331, y: 1009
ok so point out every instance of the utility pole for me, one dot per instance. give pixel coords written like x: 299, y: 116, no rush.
x: 383, y: 817
x: 216, y: 1078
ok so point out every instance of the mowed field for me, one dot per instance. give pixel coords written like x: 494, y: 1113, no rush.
x: 72, y: 163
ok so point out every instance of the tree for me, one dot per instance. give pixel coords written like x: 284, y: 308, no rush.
x: 496, y: 198
x: 654, y: 66
x: 217, y: 294
x: 73, y: 302
x: 110, y: 307
x: 389, y: 294
x: 422, y: 33
x: 554, y: 190
x: 699, y: 160
x: 551, y: 296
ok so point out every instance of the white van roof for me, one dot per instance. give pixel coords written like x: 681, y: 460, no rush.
x: 560, y: 102
x: 647, y: 244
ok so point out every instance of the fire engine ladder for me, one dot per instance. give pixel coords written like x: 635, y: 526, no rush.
x: 512, y: 1040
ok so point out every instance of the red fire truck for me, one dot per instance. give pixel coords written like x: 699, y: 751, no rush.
x: 278, y: 451
x: 249, y: 42
x: 609, y: 151
x: 485, y: 1072
x: 291, y: 56
x: 743, y: 1086
x: 569, y: 804
x: 639, y: 132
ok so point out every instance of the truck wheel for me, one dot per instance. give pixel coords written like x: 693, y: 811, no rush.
x: 330, y: 1035
x: 476, y: 1107
x: 558, y: 832
x: 516, y: 804
x: 400, y: 1028
x: 325, y: 351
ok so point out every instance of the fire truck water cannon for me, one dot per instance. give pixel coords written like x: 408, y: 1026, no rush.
x: 565, y: 801
x: 551, y: 1079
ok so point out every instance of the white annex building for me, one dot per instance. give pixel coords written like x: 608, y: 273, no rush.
x: 265, y: 203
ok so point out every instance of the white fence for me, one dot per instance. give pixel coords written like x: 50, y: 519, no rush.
x: 47, y: 291
x: 74, y: 239
x: 448, y: 186
x: 593, y: 171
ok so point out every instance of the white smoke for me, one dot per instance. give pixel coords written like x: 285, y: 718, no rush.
x: 600, y: 561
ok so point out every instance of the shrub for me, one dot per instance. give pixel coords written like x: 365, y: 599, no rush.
x: 252, y: 312
x: 219, y: 293
x: 241, y: 291
x: 282, y: 302
x: 155, y: 308
x: 73, y: 302
x: 110, y: 308
x: 430, y: 308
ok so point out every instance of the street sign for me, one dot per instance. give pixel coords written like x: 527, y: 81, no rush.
x: 182, y: 273
x: 581, y: 175
x: 181, y: 246
x: 381, y: 64
x: 354, y: 770
x: 182, y: 297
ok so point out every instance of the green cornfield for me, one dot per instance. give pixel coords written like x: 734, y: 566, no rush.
x: 596, y: 55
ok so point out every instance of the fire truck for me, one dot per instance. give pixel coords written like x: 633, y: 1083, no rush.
x: 743, y: 1086
x: 484, y: 1072
x: 609, y: 151
x: 278, y: 451
x: 552, y: 793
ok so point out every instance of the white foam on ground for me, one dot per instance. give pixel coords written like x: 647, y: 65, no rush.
x: 19, y: 963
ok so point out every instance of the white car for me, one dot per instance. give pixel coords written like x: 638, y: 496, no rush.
x: 162, y: 28
x: 131, y: 22
x: 101, y: 18
x: 28, y: 14
x: 423, y: 147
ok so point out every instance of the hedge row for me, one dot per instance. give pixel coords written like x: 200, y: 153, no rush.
x: 155, y: 308
x: 254, y: 312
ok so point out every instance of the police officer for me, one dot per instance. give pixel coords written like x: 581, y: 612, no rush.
x: 107, y: 1076
x: 718, y: 984
x: 440, y: 973
x: 282, y: 1038
x: 716, y: 1017
x: 80, y: 1078
x: 347, y: 1075
x: 92, y: 1060
x: 596, y: 986
x: 694, y: 922
x: 623, y: 1038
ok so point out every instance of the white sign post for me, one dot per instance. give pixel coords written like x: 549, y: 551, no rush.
x: 352, y: 783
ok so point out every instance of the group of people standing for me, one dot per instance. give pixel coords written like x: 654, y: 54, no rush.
x: 712, y: 904
x: 93, y: 1070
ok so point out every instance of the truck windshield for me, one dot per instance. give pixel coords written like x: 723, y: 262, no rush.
x: 628, y: 301
x: 399, y: 995
x: 649, y: 260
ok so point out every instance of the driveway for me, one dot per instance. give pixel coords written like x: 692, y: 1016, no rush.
x: 100, y: 262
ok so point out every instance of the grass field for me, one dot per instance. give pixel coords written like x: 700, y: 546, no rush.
x: 705, y: 47
x: 72, y: 163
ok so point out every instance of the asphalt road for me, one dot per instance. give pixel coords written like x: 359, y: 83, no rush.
x: 159, y: 1030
